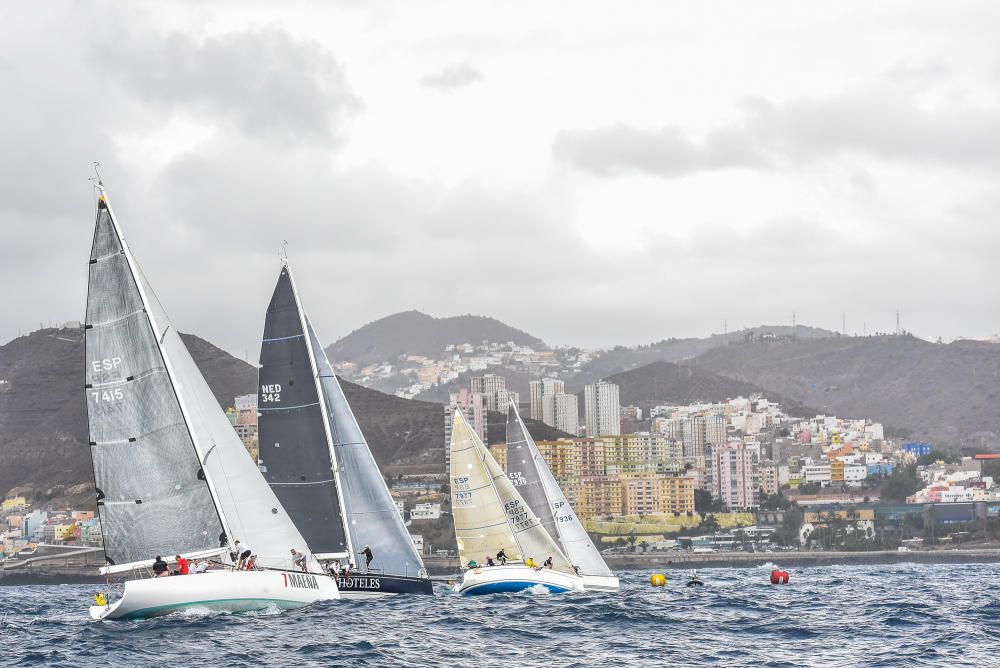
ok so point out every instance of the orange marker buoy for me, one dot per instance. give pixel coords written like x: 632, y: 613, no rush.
x: 779, y: 577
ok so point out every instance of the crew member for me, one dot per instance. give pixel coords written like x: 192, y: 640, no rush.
x: 182, y: 565
x: 159, y: 567
x: 243, y: 553
x: 489, y: 561
x: 502, y: 557
x: 299, y: 559
x: 547, y: 563
x: 369, y: 557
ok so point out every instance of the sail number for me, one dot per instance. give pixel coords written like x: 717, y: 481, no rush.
x: 518, y: 515
x: 461, y: 496
x: 517, y: 478
x: 107, y: 396
x: 270, y: 393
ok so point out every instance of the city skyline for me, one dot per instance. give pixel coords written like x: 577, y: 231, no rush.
x: 606, y: 157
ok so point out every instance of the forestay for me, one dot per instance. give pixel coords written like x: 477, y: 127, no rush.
x: 152, y: 495
x: 372, y: 517
x: 568, y: 530
x: 295, y: 453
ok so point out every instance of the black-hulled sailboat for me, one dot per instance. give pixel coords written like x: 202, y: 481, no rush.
x: 316, y: 459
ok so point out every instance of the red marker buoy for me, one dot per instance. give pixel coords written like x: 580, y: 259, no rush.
x: 779, y: 577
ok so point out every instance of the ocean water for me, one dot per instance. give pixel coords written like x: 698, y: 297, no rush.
x: 899, y: 615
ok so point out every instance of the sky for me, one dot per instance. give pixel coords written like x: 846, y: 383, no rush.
x: 595, y: 173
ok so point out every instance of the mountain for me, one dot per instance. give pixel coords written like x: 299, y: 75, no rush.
x: 43, y: 413
x: 416, y: 333
x: 947, y: 394
x: 620, y: 358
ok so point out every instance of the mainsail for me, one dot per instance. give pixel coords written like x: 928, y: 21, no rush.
x: 489, y: 513
x: 293, y: 432
x: 528, y: 471
x: 372, y: 517
x: 152, y: 494
x: 172, y: 475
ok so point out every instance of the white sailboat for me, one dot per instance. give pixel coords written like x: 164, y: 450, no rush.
x: 316, y: 459
x: 490, y: 517
x: 172, y: 477
x: 528, y: 472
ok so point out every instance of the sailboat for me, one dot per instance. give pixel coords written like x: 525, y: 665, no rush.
x: 316, y: 459
x: 529, y: 473
x: 172, y: 478
x: 492, y: 518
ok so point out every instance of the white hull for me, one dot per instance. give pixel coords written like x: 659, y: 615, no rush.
x: 601, y: 583
x: 516, y: 577
x: 223, y: 591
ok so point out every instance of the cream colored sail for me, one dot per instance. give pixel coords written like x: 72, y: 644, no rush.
x: 489, y: 513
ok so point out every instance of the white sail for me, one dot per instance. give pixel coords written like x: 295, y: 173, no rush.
x: 249, y: 510
x: 489, y: 513
x: 572, y: 537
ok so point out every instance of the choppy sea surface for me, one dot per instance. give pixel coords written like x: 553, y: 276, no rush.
x: 898, y: 615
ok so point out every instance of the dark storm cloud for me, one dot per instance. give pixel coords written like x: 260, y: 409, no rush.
x: 453, y: 77
x: 264, y: 80
x: 886, y: 121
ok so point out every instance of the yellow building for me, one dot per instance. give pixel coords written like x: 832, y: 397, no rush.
x: 837, y: 471
x: 652, y: 493
x: 14, y: 503
x: 65, y: 532
x: 595, y: 496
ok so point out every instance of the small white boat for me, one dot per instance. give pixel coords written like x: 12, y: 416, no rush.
x: 492, y: 518
x: 516, y: 577
x: 221, y: 591
x: 528, y: 472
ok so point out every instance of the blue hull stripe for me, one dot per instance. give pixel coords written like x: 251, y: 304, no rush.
x: 509, y: 586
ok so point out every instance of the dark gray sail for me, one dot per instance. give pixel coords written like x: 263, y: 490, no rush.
x: 372, y: 517
x: 152, y: 494
x: 294, y: 450
x: 524, y: 475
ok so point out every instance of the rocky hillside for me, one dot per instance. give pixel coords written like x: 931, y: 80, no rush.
x: 43, y: 420
x: 417, y: 333
x: 948, y: 394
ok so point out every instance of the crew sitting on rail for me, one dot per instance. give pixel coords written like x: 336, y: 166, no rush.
x: 530, y: 562
x: 182, y: 565
x: 547, y: 563
x: 489, y: 561
x: 200, y: 567
x: 159, y: 567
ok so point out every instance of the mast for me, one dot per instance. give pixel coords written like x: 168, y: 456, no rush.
x: 326, y: 416
x: 158, y: 337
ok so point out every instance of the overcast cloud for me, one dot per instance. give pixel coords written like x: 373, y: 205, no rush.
x: 618, y: 177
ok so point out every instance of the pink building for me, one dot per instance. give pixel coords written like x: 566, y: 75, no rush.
x: 735, y: 477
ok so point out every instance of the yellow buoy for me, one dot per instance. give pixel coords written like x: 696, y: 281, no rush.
x: 657, y: 579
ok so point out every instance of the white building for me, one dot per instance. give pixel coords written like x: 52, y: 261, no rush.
x: 567, y: 413
x: 602, y: 409
x: 418, y: 542
x: 426, y: 511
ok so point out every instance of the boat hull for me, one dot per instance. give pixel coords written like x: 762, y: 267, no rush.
x: 223, y: 591
x: 369, y: 585
x: 514, y: 578
x: 601, y: 583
